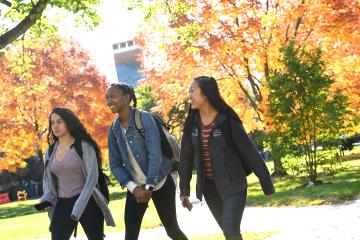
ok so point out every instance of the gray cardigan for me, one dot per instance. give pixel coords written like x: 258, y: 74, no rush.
x: 90, y: 170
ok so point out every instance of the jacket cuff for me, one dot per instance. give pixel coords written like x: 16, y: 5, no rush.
x: 48, y: 197
x: 131, y: 186
x: 269, y: 191
x: 152, y: 181
x: 184, y: 191
x: 124, y: 181
x: 268, y: 188
x: 73, y: 217
x: 185, y: 194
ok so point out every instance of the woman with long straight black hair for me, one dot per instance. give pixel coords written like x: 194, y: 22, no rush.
x: 72, y: 164
x: 215, y: 141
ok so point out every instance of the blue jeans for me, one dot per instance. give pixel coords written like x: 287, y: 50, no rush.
x: 228, y: 212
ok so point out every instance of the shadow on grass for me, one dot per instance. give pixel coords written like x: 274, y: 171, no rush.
x: 352, y: 156
x: 117, y: 195
x: 344, y: 186
x: 17, y: 211
x: 28, y: 209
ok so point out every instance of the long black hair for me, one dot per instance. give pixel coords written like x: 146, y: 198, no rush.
x: 126, y: 89
x: 210, y: 89
x: 75, y: 128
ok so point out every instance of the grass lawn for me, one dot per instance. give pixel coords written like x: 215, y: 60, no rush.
x: 21, y: 221
x: 345, y: 185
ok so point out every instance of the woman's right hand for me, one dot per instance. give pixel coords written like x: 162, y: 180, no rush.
x: 186, y: 203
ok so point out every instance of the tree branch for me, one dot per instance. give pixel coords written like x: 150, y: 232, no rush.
x: 307, y: 36
x: 5, y: 2
x: 232, y: 73
x: 261, y: 38
x: 255, y: 88
x: 287, y: 34
x: 298, y: 22
x: 297, y: 25
x: 34, y: 15
x: 266, y: 68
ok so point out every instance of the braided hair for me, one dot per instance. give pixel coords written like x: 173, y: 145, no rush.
x: 126, y: 89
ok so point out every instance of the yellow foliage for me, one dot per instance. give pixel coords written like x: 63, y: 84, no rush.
x: 63, y: 77
x: 239, y: 42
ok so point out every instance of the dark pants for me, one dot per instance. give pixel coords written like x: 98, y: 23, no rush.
x: 164, y: 201
x: 227, y: 212
x: 62, y: 226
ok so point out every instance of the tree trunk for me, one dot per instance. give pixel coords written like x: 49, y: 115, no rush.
x: 279, y: 170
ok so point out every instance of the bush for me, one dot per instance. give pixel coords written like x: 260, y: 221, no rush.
x: 328, y: 162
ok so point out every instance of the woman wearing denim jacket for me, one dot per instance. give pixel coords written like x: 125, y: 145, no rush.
x: 138, y: 164
x: 215, y: 141
x: 70, y: 180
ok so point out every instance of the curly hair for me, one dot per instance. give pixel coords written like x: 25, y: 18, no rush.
x: 75, y: 128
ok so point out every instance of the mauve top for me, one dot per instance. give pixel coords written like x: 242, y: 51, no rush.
x: 70, y: 177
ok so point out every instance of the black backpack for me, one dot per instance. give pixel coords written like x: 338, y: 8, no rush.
x: 169, y: 145
x: 103, y: 180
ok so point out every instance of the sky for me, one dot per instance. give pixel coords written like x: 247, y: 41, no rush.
x: 118, y: 25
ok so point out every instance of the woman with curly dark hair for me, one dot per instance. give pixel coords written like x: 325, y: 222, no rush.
x: 71, y: 179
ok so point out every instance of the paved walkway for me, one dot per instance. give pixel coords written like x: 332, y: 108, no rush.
x: 329, y: 222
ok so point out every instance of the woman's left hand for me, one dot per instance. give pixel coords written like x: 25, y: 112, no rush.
x: 144, y: 196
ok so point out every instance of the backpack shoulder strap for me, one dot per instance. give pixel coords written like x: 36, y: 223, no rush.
x: 49, y: 151
x: 78, y: 147
x: 138, y: 123
x: 158, y: 118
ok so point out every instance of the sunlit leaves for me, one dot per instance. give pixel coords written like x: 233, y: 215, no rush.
x: 57, y: 73
x: 238, y: 42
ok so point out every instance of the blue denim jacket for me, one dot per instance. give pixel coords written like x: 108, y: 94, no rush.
x: 147, y: 152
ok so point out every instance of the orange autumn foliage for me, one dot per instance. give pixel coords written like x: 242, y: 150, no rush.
x: 238, y: 43
x: 34, y: 80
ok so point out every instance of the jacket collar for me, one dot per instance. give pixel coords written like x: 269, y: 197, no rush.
x: 117, y: 123
x: 219, y: 120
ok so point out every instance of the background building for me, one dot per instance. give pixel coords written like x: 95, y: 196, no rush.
x: 127, y: 67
